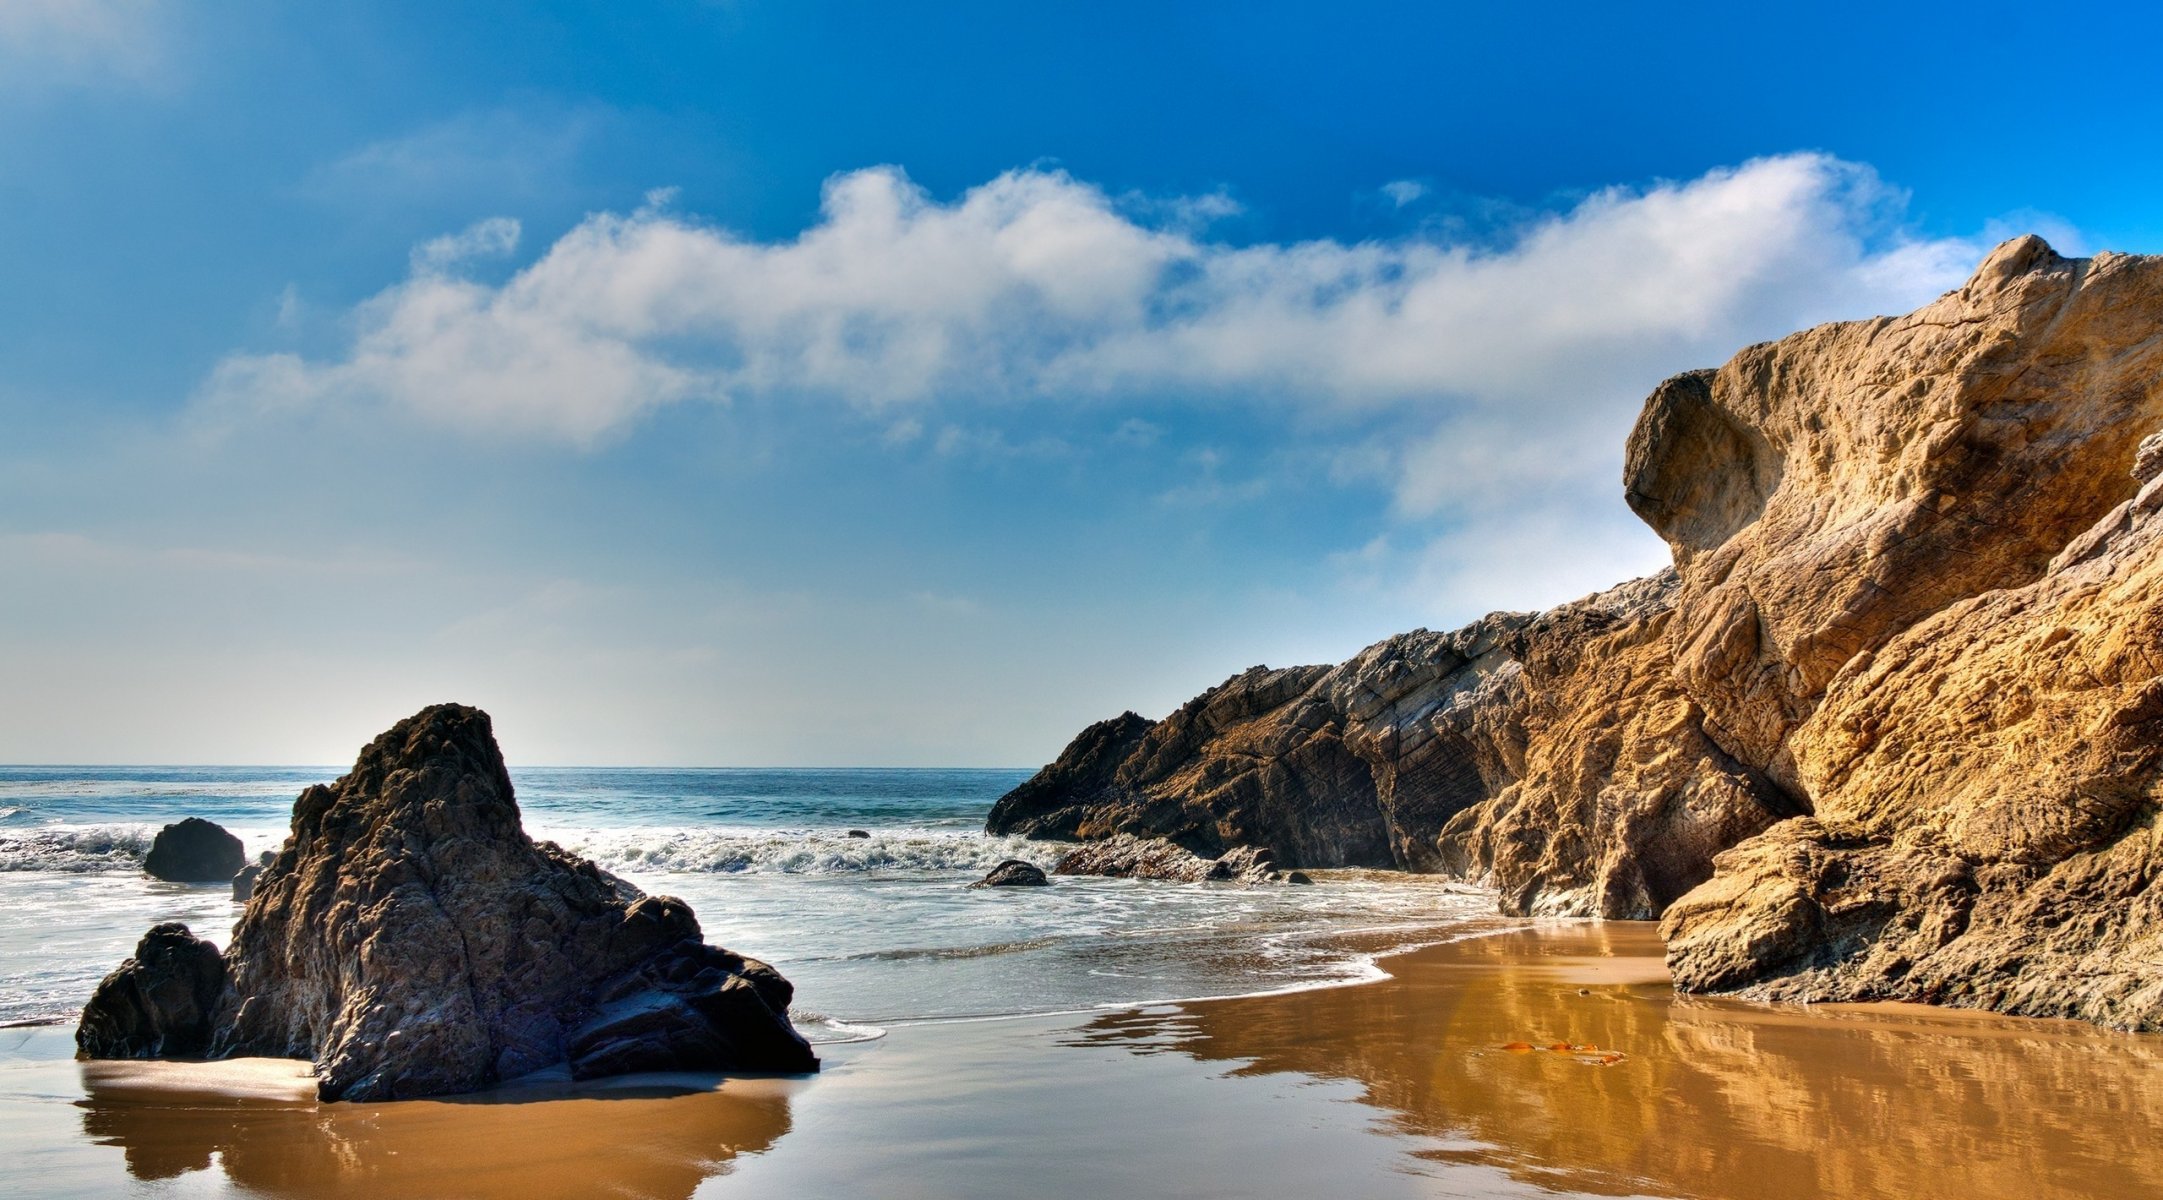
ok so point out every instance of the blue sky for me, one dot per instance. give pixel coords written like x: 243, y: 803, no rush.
x: 762, y: 383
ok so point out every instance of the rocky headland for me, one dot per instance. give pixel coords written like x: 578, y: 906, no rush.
x: 1890, y: 728
x: 411, y: 940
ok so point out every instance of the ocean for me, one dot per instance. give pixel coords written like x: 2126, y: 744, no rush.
x: 874, y: 931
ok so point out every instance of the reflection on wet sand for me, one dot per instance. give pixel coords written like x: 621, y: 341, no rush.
x: 618, y: 1142
x: 1713, y: 1098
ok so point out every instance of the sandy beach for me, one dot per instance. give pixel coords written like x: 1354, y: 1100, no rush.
x: 1418, y: 1085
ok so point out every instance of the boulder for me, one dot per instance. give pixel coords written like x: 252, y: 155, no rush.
x: 195, y: 851
x: 859, y: 833
x: 1124, y: 856
x: 413, y: 941
x: 1014, y: 873
x: 162, y: 1003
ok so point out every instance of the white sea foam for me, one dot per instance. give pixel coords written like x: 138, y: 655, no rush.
x: 797, y: 852
x: 65, y: 848
x: 77, y: 849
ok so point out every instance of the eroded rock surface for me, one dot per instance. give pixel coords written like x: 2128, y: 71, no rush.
x: 413, y: 941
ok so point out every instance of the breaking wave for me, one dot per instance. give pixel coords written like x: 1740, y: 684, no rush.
x: 76, y: 849
x: 800, y: 852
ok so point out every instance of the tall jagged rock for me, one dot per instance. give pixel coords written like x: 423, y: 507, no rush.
x: 413, y: 941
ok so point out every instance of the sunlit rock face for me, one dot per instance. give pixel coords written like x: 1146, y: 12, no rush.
x: 413, y: 941
x: 1943, y: 635
x: 1901, y: 684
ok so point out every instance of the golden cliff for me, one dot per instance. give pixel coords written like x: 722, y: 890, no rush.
x: 1892, y: 726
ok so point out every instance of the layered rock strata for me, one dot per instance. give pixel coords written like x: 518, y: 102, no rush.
x: 413, y: 941
x: 1892, y: 726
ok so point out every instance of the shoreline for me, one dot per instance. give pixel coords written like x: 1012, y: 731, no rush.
x: 1399, y: 1086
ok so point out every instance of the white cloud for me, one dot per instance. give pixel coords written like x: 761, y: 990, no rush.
x: 1400, y: 192
x: 1517, y: 364
x: 492, y: 238
x: 1036, y: 284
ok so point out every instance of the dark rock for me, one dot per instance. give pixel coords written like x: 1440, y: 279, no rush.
x: 859, y: 833
x: 694, y: 1008
x: 413, y: 941
x: 1297, y: 877
x: 195, y: 851
x: 1014, y: 873
x: 159, y: 1004
x: 1124, y: 856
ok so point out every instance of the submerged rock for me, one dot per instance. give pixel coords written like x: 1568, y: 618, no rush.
x: 162, y: 1003
x: 1014, y: 873
x: 195, y: 851
x: 413, y: 941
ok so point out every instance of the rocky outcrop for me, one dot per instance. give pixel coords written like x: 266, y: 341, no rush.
x: 195, y: 851
x: 1124, y: 856
x: 413, y: 941
x: 1352, y: 766
x: 1892, y: 726
x: 1014, y: 873
x: 162, y: 1003
x: 1550, y: 754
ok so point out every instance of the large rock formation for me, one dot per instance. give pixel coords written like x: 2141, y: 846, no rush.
x: 1902, y: 684
x: 1967, y: 682
x: 413, y: 941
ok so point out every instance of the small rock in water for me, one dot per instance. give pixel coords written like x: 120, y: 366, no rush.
x: 862, y: 833
x: 244, y: 883
x: 195, y: 851
x: 1014, y: 873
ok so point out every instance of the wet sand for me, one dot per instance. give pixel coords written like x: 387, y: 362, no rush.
x: 1437, y: 1082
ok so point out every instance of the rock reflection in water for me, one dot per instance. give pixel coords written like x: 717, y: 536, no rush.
x: 1714, y: 1098
x: 618, y: 1142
